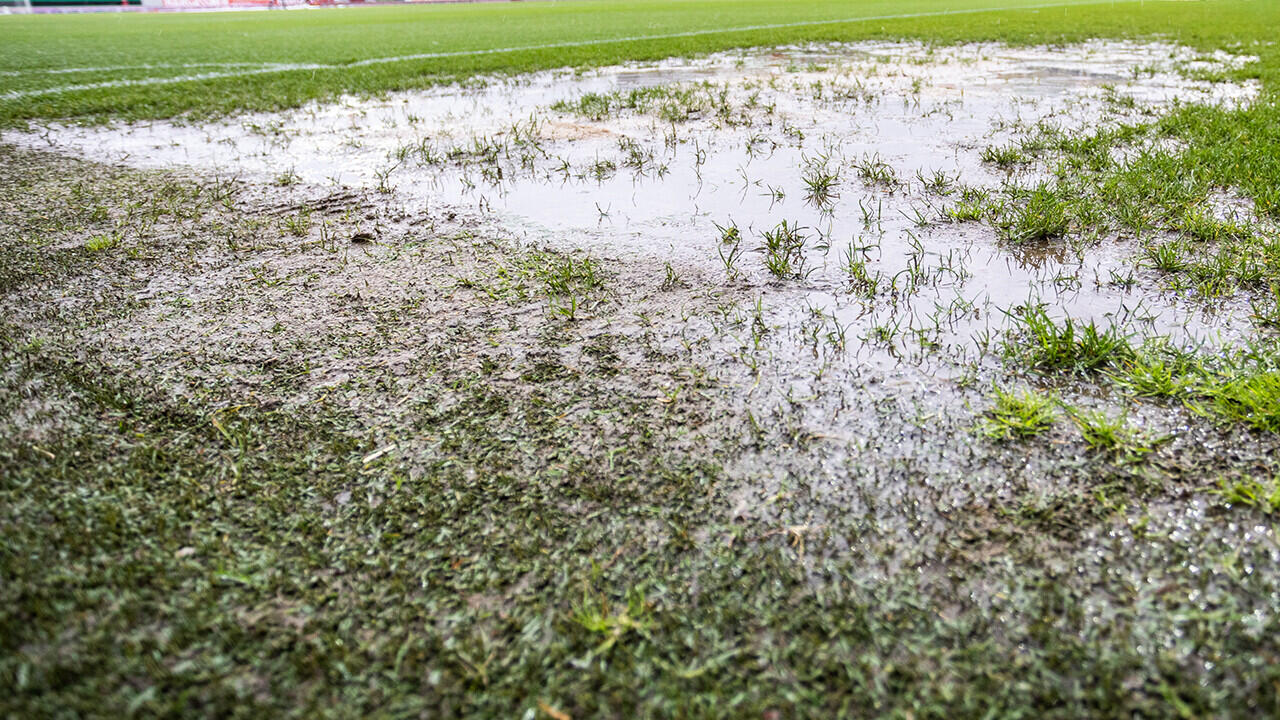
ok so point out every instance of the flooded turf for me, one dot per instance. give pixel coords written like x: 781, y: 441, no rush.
x: 856, y: 278
x: 802, y: 223
x: 871, y: 154
x: 818, y: 218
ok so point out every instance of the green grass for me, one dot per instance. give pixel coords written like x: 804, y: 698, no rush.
x: 1003, y: 157
x: 1261, y: 493
x: 1242, y: 386
x: 1067, y: 346
x: 337, y: 38
x: 1252, y: 398
x: 1034, y: 216
x: 1018, y: 415
x: 1152, y: 375
x: 1112, y: 434
x: 99, y: 243
x: 783, y: 249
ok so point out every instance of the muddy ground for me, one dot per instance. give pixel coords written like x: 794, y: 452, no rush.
x: 680, y: 394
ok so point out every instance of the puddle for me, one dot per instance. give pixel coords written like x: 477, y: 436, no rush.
x: 881, y: 118
x: 887, y: 311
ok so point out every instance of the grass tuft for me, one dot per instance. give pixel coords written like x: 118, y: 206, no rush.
x: 1251, y: 492
x: 784, y: 251
x: 1018, y: 415
x: 1037, y: 216
x: 1153, y: 376
x: 1112, y: 434
x: 1252, y: 399
x: 1068, y: 346
x: 100, y: 243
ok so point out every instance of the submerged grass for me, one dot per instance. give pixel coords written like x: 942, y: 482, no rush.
x: 670, y: 103
x: 784, y: 255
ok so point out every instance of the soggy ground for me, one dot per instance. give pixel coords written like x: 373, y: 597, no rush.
x: 839, y: 379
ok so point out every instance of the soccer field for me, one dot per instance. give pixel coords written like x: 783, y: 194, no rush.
x: 682, y: 358
x: 154, y: 66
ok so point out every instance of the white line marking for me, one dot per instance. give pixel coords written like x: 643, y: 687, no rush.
x: 164, y: 81
x: 114, y: 68
x: 522, y: 48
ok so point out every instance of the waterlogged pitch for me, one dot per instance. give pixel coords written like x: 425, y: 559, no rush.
x: 616, y: 364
